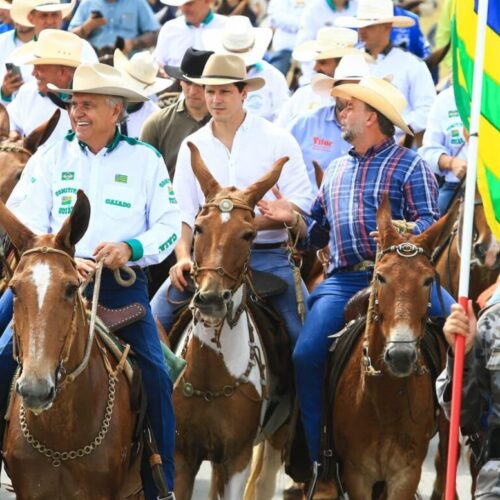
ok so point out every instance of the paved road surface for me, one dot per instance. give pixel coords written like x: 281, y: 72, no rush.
x: 425, y: 489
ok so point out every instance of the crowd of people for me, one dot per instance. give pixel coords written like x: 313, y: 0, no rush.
x: 365, y: 108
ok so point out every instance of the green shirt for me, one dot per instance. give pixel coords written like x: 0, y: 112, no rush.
x: 167, y: 128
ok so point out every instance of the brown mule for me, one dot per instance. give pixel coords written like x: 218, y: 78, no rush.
x: 65, y: 439
x: 221, y: 397
x: 382, y: 424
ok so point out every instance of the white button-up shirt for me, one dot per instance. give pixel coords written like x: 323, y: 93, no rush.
x: 302, y: 102
x: 285, y: 17
x: 30, y: 109
x: 270, y: 99
x: 176, y: 36
x: 444, y: 134
x: 128, y: 187
x: 412, y: 77
x: 256, y: 146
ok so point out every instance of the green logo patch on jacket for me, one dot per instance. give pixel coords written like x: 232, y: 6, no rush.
x: 121, y: 178
x: 66, y: 200
x: 67, y: 176
x: 118, y: 203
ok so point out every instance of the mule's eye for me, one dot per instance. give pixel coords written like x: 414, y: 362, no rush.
x: 249, y: 236
x: 380, y: 278
x: 428, y: 281
x: 70, y: 290
x: 197, y: 229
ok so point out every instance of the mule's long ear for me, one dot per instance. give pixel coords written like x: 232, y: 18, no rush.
x: 4, y: 122
x: 430, y: 237
x: 208, y: 184
x: 22, y: 237
x: 33, y: 141
x: 259, y: 188
x: 76, y: 224
x: 387, y: 233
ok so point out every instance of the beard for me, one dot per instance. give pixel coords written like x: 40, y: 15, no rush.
x: 350, y: 134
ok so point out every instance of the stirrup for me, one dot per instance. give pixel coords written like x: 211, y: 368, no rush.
x: 170, y: 496
x: 314, y: 480
x: 175, y: 365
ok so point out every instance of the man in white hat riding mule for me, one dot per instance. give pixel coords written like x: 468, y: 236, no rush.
x: 319, y: 133
x: 237, y: 147
x: 344, y: 216
x: 177, y: 35
x: 54, y: 55
x: 133, y: 221
x: 101, y: 22
x: 139, y: 73
x: 325, y: 53
x: 240, y: 38
x: 374, y: 20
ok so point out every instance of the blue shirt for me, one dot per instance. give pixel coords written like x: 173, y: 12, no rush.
x: 345, y: 210
x: 412, y: 38
x: 126, y: 18
x: 319, y: 137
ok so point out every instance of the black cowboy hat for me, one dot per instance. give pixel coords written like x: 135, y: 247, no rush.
x: 192, y: 65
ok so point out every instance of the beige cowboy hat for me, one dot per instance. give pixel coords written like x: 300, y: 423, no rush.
x: 379, y: 94
x: 240, y: 38
x: 372, y: 12
x: 330, y: 43
x: 98, y: 78
x: 175, y: 3
x: 52, y: 47
x: 222, y: 69
x: 21, y: 8
x: 140, y: 72
x: 351, y: 67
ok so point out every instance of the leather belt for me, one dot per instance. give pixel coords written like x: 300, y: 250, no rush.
x: 268, y: 246
x: 366, y: 265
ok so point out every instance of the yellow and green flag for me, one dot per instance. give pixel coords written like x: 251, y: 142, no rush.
x: 463, y: 35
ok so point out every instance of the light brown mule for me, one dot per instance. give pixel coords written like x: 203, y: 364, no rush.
x: 382, y: 424
x: 219, y: 400
x: 51, y: 334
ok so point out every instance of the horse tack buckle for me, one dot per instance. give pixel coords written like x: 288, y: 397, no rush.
x: 226, y: 205
x: 187, y: 389
x: 407, y: 250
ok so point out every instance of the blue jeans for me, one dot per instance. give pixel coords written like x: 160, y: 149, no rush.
x: 325, y: 317
x: 280, y: 59
x: 143, y: 339
x: 273, y: 261
x: 446, y: 192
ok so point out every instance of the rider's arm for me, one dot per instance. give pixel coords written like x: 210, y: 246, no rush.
x: 183, y: 248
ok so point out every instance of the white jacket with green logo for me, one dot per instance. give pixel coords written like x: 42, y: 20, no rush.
x: 127, y: 183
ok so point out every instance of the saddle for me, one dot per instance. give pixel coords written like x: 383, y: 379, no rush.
x: 114, y: 319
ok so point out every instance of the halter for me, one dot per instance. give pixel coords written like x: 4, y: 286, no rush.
x: 14, y: 148
x: 78, y: 302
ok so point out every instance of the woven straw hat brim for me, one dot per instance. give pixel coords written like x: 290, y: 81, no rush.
x: 19, y: 11
x: 127, y: 94
x: 313, y: 50
x: 355, y: 22
x: 252, y: 83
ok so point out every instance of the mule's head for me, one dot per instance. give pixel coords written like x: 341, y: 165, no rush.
x: 404, y: 275
x: 46, y: 304
x: 223, y: 234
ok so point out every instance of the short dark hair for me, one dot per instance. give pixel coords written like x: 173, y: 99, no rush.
x: 386, y: 126
x: 240, y: 86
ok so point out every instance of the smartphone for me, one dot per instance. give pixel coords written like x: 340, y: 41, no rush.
x: 15, y: 70
x: 96, y: 14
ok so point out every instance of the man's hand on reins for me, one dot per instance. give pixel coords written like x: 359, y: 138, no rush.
x: 177, y: 273
x: 114, y: 255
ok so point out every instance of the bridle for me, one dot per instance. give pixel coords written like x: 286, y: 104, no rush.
x: 12, y: 147
x: 78, y: 307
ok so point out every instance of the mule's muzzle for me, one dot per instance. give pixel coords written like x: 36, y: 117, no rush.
x: 38, y: 394
x: 481, y: 251
x: 401, y: 359
x: 212, y: 304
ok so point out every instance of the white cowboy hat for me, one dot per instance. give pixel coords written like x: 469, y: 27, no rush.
x: 175, y: 3
x: 52, y: 47
x: 379, y: 94
x: 21, y: 8
x: 240, y: 38
x: 100, y: 79
x: 330, y: 43
x: 140, y: 72
x: 222, y: 69
x: 372, y: 12
x: 351, y: 67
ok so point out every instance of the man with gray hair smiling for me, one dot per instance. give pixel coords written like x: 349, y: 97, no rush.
x: 135, y: 220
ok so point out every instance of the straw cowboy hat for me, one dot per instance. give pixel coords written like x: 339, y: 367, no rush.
x: 140, y: 72
x: 239, y: 37
x: 175, y: 3
x: 379, y: 94
x: 21, y: 8
x: 52, y: 47
x: 192, y: 64
x: 330, y: 43
x: 351, y: 67
x: 100, y: 79
x: 372, y: 12
x: 222, y: 69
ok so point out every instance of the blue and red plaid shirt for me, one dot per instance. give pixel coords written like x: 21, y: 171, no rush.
x: 345, y: 210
